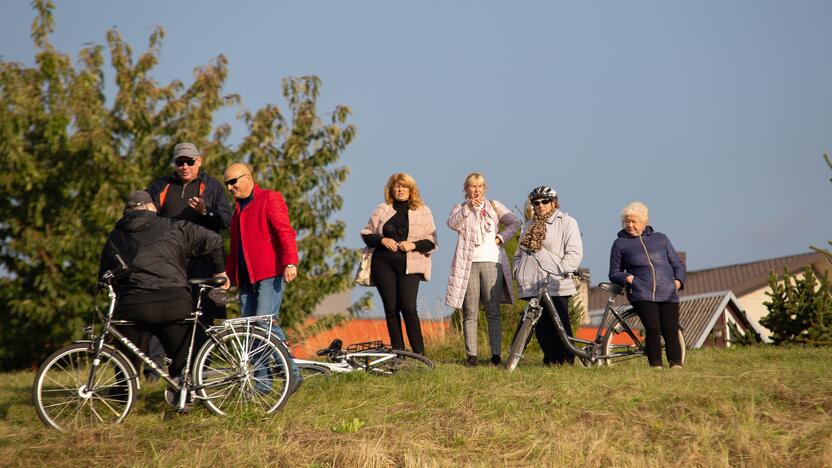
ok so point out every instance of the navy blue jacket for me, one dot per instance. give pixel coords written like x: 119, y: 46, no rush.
x: 654, y: 275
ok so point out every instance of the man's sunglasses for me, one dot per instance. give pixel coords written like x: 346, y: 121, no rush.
x: 541, y: 202
x: 233, y: 182
x: 182, y: 162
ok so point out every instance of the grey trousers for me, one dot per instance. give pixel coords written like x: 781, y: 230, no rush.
x: 485, y: 285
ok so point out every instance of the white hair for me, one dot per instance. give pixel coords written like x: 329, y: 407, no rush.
x: 638, y: 209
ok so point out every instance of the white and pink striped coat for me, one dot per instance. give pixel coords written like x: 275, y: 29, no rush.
x: 464, y: 221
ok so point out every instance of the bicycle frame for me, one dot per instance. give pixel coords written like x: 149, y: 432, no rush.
x: 592, y: 349
x: 185, y: 386
x: 109, y: 329
x: 345, y: 362
x: 601, y: 332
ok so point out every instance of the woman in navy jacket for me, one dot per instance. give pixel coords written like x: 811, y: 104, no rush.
x: 646, y: 263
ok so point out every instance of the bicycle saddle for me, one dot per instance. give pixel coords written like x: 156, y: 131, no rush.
x: 613, y: 288
x: 334, y: 346
x: 214, y: 282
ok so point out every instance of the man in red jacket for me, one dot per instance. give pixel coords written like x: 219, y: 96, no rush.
x: 264, y: 254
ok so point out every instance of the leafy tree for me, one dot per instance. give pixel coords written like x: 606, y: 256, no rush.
x: 800, y: 309
x: 67, y: 158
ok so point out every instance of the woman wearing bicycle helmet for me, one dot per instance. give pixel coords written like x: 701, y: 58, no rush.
x: 646, y: 263
x: 480, y: 271
x: 549, y: 242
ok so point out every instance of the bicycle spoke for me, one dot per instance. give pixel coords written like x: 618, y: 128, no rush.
x: 59, y: 399
x: 259, y: 381
x: 66, y: 402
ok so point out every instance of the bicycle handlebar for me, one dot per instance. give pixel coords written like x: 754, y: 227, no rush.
x: 564, y: 274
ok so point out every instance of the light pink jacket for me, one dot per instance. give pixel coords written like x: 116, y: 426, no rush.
x: 464, y: 221
x: 420, y: 227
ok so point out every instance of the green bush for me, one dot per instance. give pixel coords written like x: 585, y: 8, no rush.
x: 800, y: 309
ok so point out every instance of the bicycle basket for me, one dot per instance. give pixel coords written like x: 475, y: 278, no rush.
x: 367, y: 345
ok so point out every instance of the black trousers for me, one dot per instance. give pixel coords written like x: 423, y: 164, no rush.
x: 398, y: 293
x: 554, y: 352
x: 199, y: 267
x: 163, y: 320
x: 660, y: 319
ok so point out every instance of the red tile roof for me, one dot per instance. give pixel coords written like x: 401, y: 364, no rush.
x: 586, y: 332
x: 360, y: 330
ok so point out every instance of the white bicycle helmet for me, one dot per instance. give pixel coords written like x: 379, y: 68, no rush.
x: 543, y: 191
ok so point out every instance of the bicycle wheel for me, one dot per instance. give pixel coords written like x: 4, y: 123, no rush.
x: 401, y: 361
x: 308, y: 370
x: 628, y: 350
x: 62, y: 399
x: 521, y: 340
x: 623, y: 351
x: 242, y: 372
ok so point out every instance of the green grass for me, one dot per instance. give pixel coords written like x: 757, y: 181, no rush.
x: 760, y: 406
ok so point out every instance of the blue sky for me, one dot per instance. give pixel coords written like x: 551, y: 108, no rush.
x: 715, y: 114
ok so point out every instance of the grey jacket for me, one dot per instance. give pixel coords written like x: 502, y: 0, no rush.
x: 562, y: 251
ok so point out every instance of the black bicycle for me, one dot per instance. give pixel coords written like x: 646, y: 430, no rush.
x: 241, y: 368
x: 604, y: 349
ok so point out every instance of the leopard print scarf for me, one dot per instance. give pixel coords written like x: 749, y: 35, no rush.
x: 534, y: 237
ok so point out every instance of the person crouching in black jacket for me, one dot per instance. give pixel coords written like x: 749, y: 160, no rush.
x: 154, y: 292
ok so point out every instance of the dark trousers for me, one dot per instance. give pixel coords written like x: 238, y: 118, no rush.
x: 398, y: 293
x: 554, y: 352
x: 199, y: 267
x: 660, y: 319
x: 163, y: 320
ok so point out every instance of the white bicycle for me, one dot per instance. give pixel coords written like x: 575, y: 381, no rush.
x: 373, y: 357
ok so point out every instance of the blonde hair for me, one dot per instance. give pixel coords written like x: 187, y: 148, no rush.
x: 408, y: 181
x: 474, y: 178
x: 638, y: 209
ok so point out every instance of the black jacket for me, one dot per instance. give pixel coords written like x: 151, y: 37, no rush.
x: 211, y: 190
x: 155, y: 250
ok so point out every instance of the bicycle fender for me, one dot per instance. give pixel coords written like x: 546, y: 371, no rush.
x: 134, y: 374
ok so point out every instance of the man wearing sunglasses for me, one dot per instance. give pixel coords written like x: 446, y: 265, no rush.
x: 192, y: 195
x: 264, y: 253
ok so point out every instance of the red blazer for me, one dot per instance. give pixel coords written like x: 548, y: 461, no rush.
x: 267, y: 235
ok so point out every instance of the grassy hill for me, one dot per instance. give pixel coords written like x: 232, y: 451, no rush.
x: 748, y: 406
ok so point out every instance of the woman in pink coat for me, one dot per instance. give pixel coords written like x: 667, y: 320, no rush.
x: 403, y: 234
x: 480, y: 271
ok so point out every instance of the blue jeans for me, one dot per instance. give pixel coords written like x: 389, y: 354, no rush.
x: 264, y: 298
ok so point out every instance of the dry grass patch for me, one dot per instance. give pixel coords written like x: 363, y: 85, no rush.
x: 743, y: 407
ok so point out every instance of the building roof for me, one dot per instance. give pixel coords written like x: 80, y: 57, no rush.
x: 746, y: 277
x: 740, y: 278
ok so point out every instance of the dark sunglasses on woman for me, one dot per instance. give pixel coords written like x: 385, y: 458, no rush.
x: 541, y: 202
